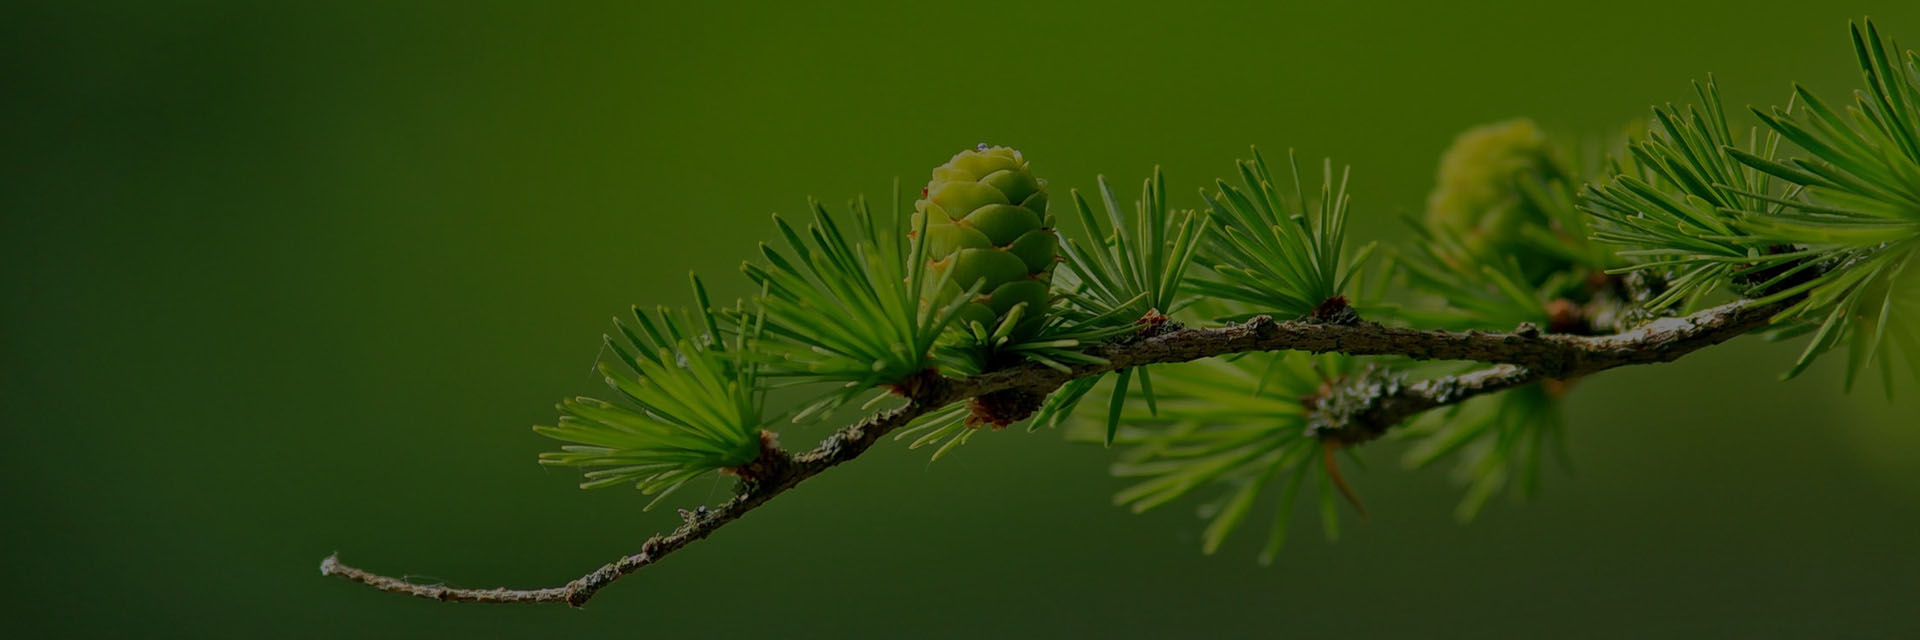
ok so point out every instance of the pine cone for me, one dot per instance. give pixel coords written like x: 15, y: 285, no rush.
x: 1478, y: 195
x: 987, y: 223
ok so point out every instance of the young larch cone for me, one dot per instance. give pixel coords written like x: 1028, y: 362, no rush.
x: 987, y: 223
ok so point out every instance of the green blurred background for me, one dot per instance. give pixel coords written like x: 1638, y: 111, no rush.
x: 283, y: 281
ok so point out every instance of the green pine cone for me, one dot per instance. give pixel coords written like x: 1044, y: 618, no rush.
x: 987, y: 223
x: 1477, y: 195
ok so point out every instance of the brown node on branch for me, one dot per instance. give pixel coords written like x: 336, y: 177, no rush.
x: 1334, y: 310
x: 1151, y: 324
x: 921, y: 383
x: 772, y: 462
x: 1603, y: 303
x: 1619, y: 302
x: 1002, y: 408
x: 1564, y: 316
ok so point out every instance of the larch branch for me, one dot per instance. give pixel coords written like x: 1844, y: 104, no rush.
x: 1519, y: 357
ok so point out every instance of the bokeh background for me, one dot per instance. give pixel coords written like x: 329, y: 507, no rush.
x: 293, y: 279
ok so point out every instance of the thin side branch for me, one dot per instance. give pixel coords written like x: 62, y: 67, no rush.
x: 1519, y: 357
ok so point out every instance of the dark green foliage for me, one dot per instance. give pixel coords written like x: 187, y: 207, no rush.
x: 1136, y: 263
x: 691, y: 397
x: 844, y: 305
x: 1499, y: 440
x: 1858, y: 214
x: 1835, y: 231
x: 1820, y: 215
x: 1132, y: 269
x: 1678, y: 202
x: 1237, y: 429
x: 1273, y: 248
